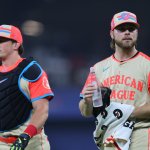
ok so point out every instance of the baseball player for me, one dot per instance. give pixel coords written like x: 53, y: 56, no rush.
x: 127, y: 74
x: 24, y: 96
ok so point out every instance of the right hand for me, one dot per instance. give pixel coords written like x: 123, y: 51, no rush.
x: 88, y: 93
x: 86, y: 105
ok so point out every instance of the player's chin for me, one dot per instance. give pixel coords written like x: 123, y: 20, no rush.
x: 128, y: 45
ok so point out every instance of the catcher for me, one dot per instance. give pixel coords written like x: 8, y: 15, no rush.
x: 24, y: 96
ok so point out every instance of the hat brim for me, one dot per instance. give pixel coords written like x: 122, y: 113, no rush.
x: 2, y: 36
x: 126, y: 22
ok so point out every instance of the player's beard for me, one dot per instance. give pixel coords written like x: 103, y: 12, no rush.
x: 124, y: 44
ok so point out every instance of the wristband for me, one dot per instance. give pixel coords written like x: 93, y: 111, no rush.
x: 31, y: 130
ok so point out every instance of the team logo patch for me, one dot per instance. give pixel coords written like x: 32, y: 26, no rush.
x: 45, y: 83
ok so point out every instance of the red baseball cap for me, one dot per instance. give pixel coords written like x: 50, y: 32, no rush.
x: 123, y: 17
x: 11, y: 32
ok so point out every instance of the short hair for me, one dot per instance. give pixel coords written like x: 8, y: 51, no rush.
x: 20, y: 49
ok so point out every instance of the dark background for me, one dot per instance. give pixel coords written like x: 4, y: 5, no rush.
x: 74, y: 36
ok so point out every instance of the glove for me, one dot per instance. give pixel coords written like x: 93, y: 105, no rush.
x: 106, y: 92
x: 21, y: 142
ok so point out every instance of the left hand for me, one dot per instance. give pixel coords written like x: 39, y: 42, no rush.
x: 21, y: 142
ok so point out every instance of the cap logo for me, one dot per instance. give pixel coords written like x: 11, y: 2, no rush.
x: 45, y: 83
x: 126, y: 16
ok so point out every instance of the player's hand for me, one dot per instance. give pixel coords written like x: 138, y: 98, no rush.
x: 88, y: 93
x: 21, y: 142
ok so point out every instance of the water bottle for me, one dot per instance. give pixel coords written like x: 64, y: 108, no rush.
x: 97, y: 96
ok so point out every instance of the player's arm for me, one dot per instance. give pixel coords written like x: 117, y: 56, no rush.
x: 142, y: 112
x: 85, y: 104
x: 40, y: 94
x: 40, y: 108
x: 38, y: 118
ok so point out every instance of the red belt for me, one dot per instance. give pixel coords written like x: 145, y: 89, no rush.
x: 10, y: 139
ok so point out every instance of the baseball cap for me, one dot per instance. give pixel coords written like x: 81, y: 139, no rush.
x: 123, y: 17
x: 11, y: 32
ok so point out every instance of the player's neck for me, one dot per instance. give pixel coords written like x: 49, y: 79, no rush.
x: 9, y: 61
x: 123, y: 55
